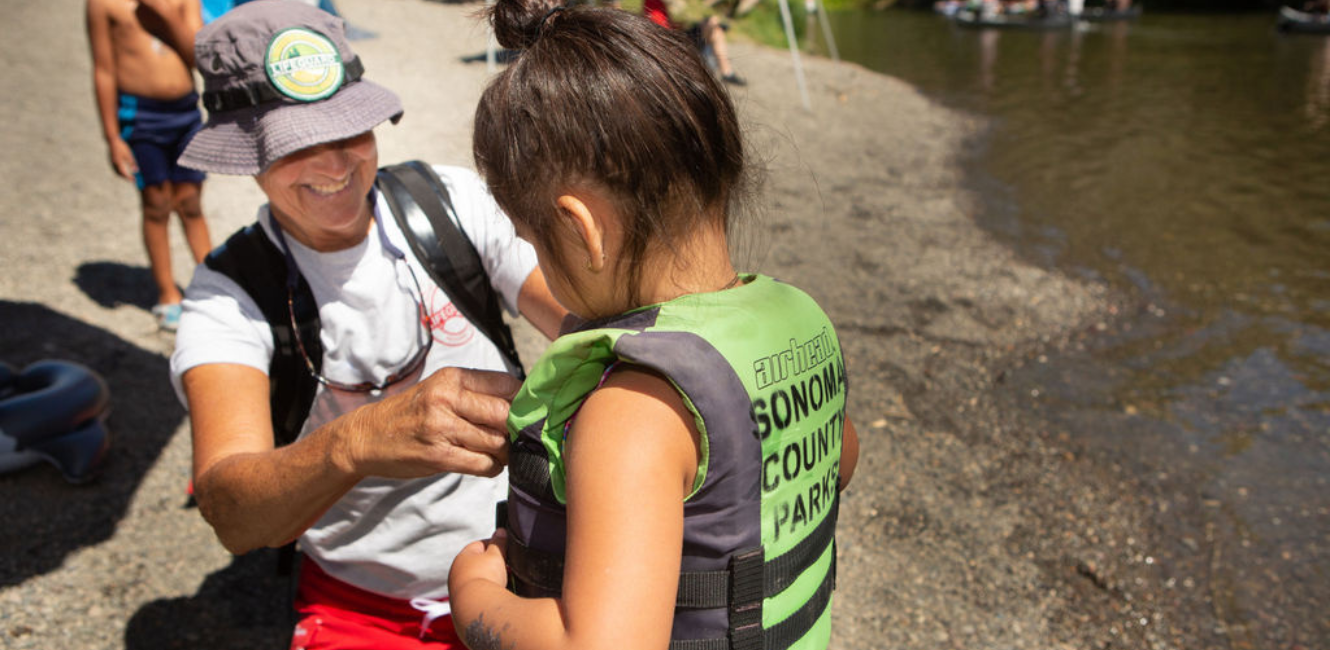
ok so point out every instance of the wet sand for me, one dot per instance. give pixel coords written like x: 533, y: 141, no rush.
x: 969, y: 524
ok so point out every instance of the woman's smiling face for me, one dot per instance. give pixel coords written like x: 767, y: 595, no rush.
x: 319, y: 195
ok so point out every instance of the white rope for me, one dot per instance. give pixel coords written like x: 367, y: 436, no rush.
x: 433, y: 609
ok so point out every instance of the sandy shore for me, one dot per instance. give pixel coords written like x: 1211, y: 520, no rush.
x: 967, y: 526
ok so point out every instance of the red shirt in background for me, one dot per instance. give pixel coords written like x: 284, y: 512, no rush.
x: 655, y: 10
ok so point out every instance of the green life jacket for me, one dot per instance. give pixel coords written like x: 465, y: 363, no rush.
x: 761, y: 369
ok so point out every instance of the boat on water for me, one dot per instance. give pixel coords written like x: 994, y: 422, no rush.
x: 967, y: 18
x: 1292, y: 20
x: 1106, y: 15
x: 949, y: 8
x: 1056, y: 16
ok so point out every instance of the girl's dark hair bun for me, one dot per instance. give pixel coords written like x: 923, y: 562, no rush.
x: 518, y: 23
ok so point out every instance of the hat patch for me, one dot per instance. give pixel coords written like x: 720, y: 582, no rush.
x: 304, y: 65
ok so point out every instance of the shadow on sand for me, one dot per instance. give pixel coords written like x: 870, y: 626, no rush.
x: 45, y: 518
x: 501, y: 57
x: 111, y: 284
x: 244, y: 605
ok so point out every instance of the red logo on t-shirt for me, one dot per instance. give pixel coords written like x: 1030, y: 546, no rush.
x: 447, y: 324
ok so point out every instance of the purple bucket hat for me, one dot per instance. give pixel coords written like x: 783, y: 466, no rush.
x: 278, y: 77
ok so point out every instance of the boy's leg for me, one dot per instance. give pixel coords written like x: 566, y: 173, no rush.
x: 153, y: 178
x: 713, y: 34
x: 156, y: 204
x: 160, y: 130
x: 188, y: 204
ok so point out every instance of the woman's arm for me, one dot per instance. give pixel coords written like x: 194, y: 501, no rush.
x: 538, y: 305
x: 252, y: 494
x: 255, y: 495
x: 632, y: 456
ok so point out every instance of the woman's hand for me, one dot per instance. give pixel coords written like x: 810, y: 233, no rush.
x: 255, y: 495
x: 453, y: 421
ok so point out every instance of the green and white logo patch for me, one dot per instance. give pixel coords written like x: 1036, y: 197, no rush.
x: 304, y: 65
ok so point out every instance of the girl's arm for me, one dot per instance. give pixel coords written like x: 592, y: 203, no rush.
x: 849, y: 454
x: 632, y: 457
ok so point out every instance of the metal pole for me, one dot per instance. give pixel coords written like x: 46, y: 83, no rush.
x: 794, y: 52
x: 826, y: 31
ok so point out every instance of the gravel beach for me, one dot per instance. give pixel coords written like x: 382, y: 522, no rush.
x: 969, y: 524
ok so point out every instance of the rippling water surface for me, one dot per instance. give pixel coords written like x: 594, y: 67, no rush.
x: 1186, y: 160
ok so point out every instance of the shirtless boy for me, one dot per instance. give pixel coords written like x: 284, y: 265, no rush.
x: 149, y: 111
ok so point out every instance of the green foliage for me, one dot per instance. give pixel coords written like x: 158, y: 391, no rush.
x: 763, y: 23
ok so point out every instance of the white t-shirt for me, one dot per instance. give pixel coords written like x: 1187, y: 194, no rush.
x: 393, y: 537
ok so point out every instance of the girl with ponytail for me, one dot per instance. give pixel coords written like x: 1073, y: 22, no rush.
x: 677, y: 454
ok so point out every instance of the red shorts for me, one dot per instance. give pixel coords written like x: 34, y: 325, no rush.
x: 334, y: 615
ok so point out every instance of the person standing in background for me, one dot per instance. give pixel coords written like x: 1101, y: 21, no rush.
x: 707, y: 34
x: 146, y: 101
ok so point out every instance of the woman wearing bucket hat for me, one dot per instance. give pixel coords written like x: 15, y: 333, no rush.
x: 394, y: 468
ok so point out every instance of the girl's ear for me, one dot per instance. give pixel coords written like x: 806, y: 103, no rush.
x: 579, y: 215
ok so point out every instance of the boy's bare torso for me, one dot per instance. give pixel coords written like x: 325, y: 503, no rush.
x: 144, y: 65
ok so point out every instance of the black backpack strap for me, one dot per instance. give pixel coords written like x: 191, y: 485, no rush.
x: 424, y: 211
x: 251, y: 259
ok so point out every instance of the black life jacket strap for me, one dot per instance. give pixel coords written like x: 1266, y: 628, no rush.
x: 700, y: 644
x: 741, y: 588
x: 529, y: 468
x: 710, y: 589
x: 534, y: 573
x: 746, y: 569
x: 783, y: 634
x: 780, y: 572
x: 780, y: 636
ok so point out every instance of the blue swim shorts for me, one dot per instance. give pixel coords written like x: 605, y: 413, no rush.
x: 157, y: 131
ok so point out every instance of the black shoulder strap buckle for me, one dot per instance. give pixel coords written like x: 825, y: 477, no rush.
x: 424, y: 211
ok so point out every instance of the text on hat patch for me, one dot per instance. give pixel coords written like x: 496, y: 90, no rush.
x: 304, y: 65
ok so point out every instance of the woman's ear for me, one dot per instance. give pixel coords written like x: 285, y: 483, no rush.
x: 580, y: 216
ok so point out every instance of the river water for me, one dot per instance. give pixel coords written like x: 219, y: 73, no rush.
x: 1185, y: 160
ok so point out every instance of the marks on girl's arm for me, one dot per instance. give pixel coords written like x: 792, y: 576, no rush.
x: 482, y: 636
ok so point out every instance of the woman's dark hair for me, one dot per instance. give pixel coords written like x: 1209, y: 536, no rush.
x: 604, y: 98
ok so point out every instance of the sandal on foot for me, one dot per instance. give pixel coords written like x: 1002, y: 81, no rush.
x: 168, y: 316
